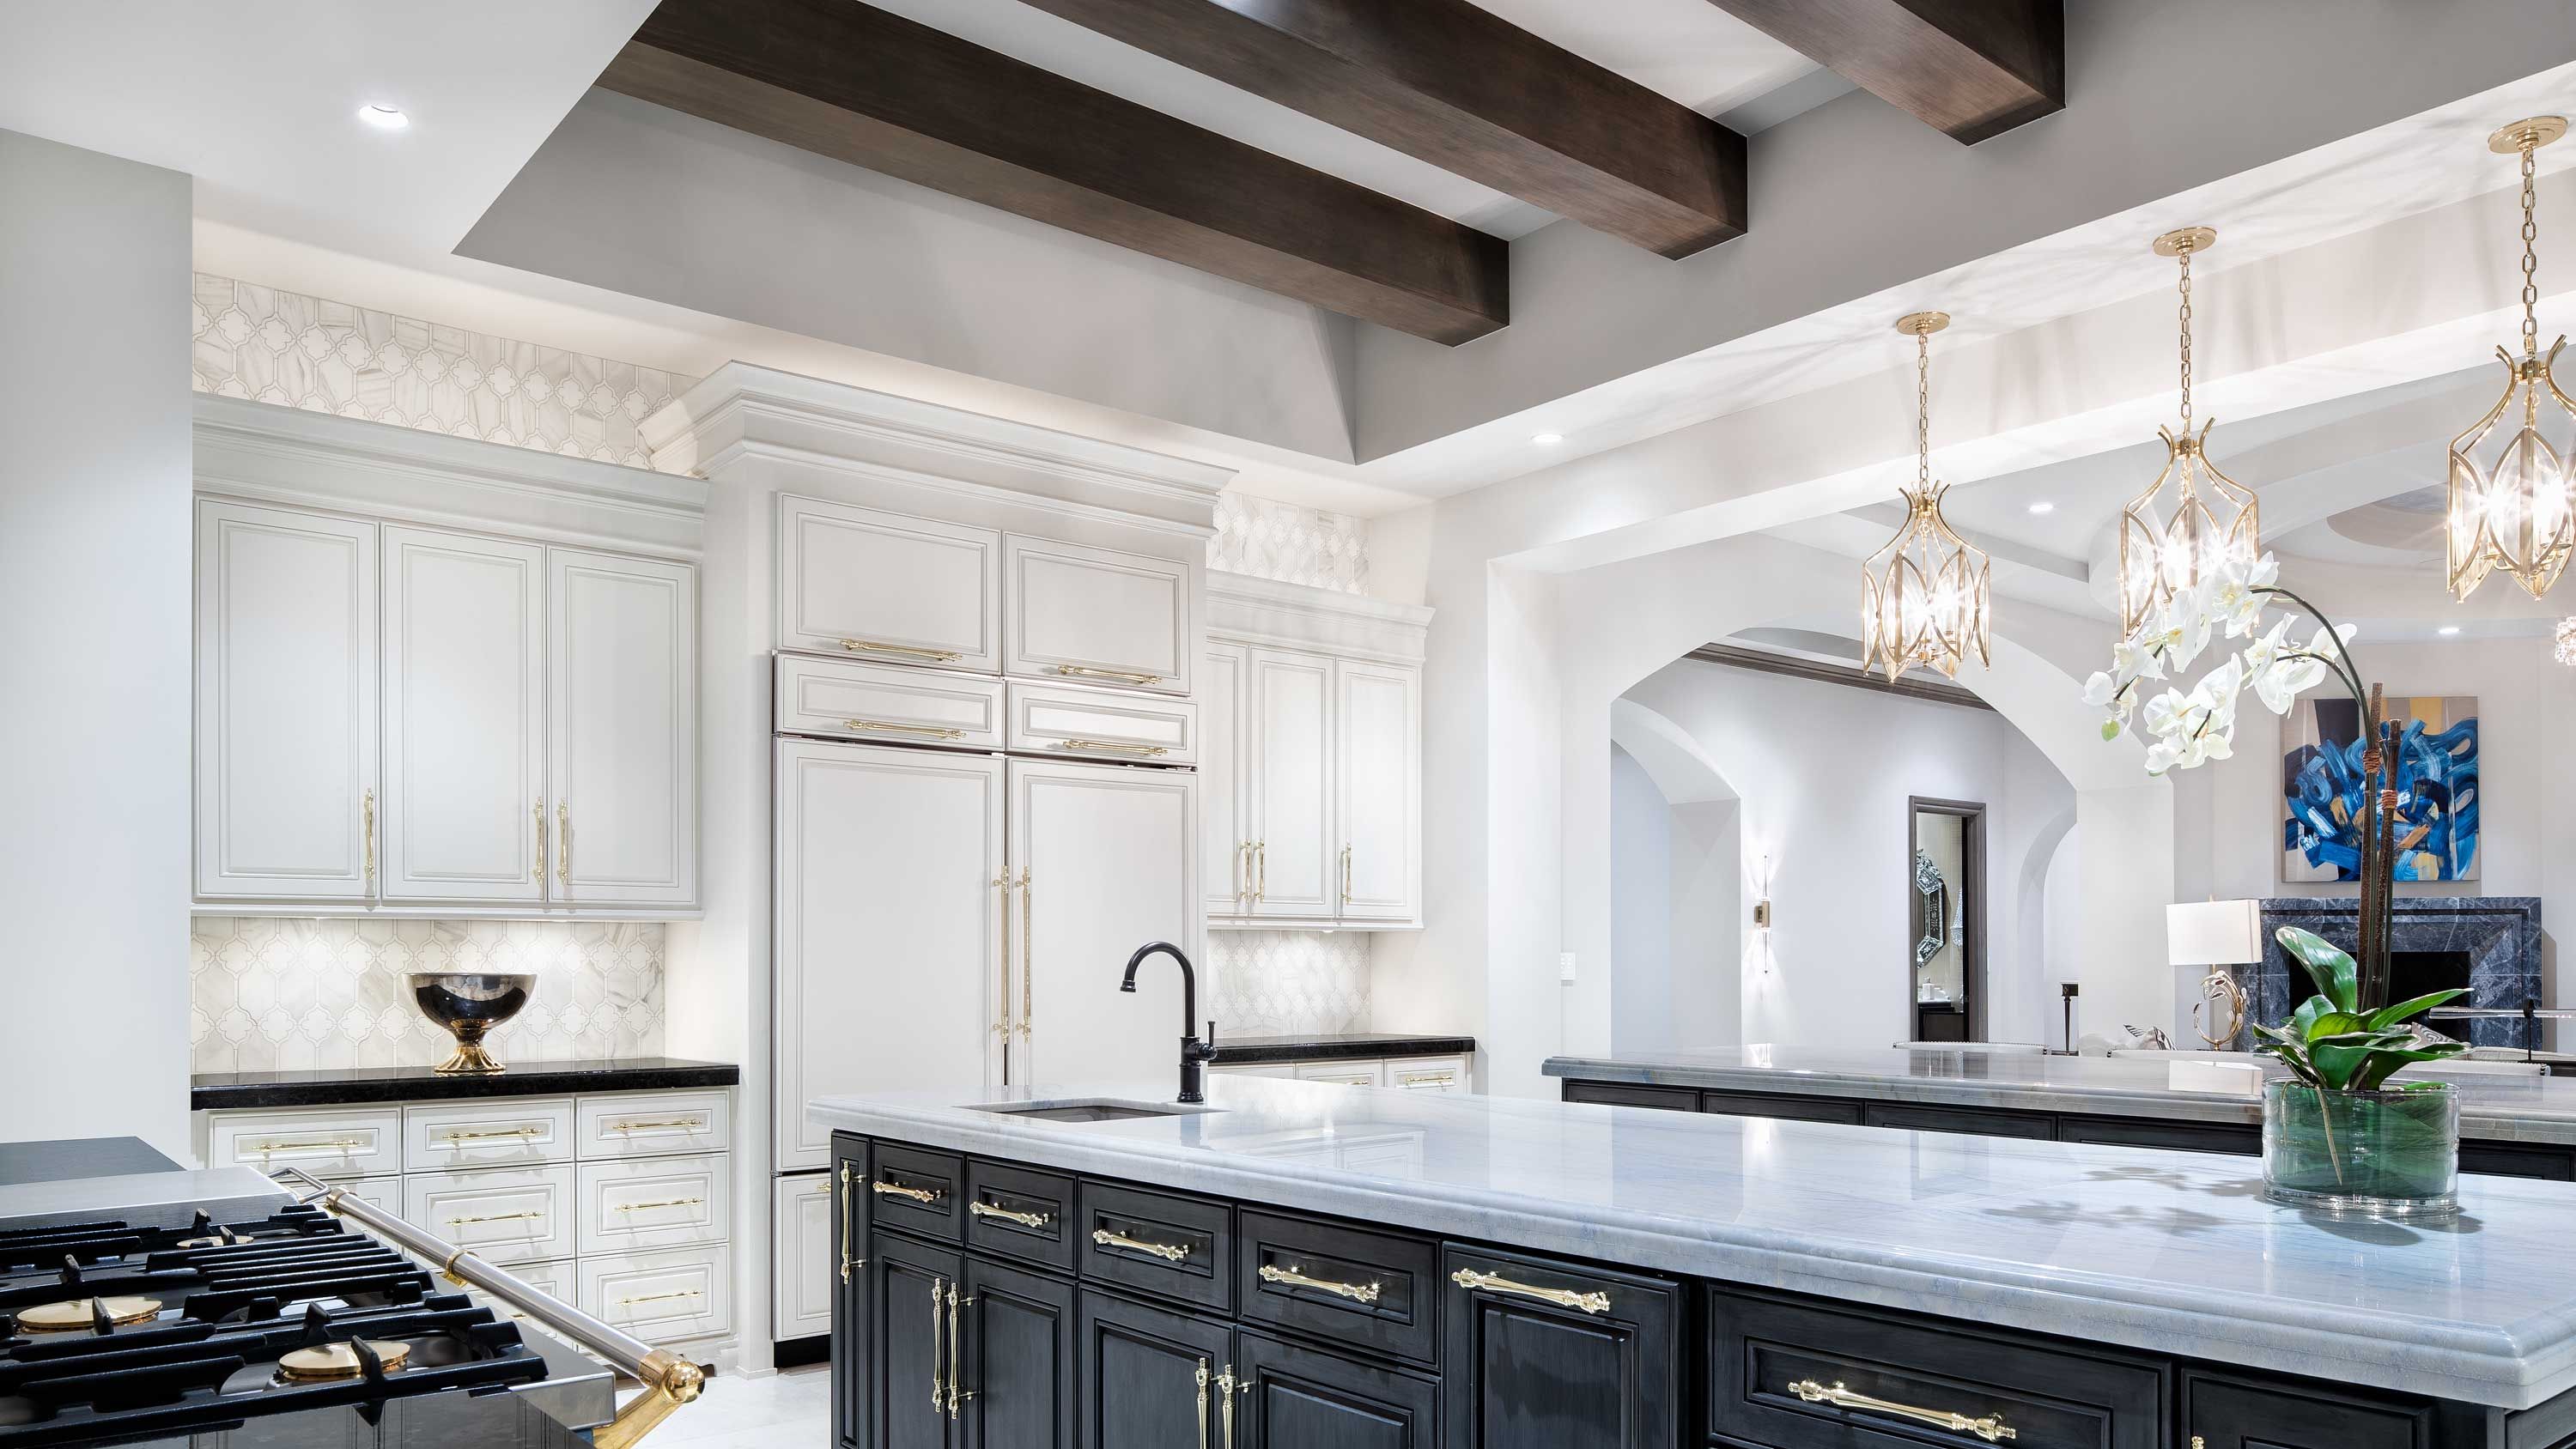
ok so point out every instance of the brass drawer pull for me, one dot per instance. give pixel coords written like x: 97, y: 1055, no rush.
x: 333, y: 1144
x: 1356, y: 1292
x: 938, y: 1381
x: 1124, y: 676
x: 658, y: 1297
x: 492, y: 1135
x: 1112, y: 747
x: 956, y: 1361
x: 1417, y: 1081
x: 1168, y: 1252
x: 887, y: 726
x: 637, y: 1207
x: 1203, y: 1388
x: 923, y: 1195
x: 909, y: 651
x: 983, y: 1209
x: 1593, y: 1302
x: 849, y: 1227
x: 691, y: 1123
x: 495, y: 1218
x: 1989, y: 1427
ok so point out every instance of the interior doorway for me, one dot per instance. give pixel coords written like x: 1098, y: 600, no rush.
x: 1945, y: 916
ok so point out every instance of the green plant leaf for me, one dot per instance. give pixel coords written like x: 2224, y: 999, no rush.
x: 2328, y: 964
x: 2388, y: 1016
x: 2337, y: 1063
x: 2384, y: 1063
x: 2317, y: 1019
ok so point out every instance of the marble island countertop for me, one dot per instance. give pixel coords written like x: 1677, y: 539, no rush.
x: 2495, y: 1108
x: 2175, y: 1252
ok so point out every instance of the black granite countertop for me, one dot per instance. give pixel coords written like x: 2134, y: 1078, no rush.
x: 1244, y: 1051
x: 341, y: 1086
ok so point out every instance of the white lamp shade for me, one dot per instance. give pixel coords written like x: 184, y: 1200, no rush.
x: 2214, y: 933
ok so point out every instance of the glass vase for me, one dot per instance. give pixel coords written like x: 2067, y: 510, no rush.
x: 2373, y: 1154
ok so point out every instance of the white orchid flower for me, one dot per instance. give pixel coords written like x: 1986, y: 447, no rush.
x: 2236, y: 597
x: 2136, y: 658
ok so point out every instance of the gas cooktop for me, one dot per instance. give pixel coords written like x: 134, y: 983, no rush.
x: 285, y: 1329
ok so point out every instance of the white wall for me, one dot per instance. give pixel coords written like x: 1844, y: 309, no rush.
x: 1824, y: 773
x: 1678, y: 930
x: 1641, y: 902
x: 94, y: 623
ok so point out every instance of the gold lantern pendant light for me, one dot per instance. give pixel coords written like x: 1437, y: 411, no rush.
x: 2171, y: 541
x: 2513, y: 493
x: 1925, y: 595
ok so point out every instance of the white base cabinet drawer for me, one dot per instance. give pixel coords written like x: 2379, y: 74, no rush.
x: 653, y: 1124
x: 1103, y: 724
x: 654, y: 1202
x: 1347, y: 1074
x: 1428, y: 1074
x: 501, y: 1214
x: 448, y: 1136
x: 800, y: 1241
x: 1286, y: 1071
x: 675, y: 1293
x: 849, y: 700
x: 382, y: 1193
x: 331, y: 1142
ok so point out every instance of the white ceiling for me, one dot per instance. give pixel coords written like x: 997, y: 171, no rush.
x: 259, y: 101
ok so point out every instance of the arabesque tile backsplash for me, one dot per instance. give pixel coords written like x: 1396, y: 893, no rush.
x: 1270, y: 982
x: 274, y: 993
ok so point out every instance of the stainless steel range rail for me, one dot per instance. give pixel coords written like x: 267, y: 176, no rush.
x: 668, y: 1379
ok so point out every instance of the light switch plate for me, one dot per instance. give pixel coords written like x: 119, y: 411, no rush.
x: 1565, y: 966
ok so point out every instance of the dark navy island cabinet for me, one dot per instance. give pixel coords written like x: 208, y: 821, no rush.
x: 999, y: 1305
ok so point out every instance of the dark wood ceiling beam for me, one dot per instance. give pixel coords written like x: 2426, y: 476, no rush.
x: 854, y: 83
x: 1973, y: 68
x: 1453, y: 84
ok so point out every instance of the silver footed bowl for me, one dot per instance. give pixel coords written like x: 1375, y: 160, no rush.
x: 469, y: 1004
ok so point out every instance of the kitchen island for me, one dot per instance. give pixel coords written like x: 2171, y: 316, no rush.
x: 1353, y: 1267
x: 2513, y: 1126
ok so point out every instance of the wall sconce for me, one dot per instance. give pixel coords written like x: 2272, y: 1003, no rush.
x: 1762, y: 915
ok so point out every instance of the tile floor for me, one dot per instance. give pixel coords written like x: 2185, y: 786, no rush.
x: 788, y: 1410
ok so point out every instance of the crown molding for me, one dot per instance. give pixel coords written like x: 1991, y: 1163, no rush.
x: 1247, y: 610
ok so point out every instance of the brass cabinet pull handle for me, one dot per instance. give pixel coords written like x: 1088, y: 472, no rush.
x: 486, y: 1136
x: 1002, y: 1023
x: 495, y: 1218
x: 1261, y: 860
x: 689, y: 1122
x: 1346, y: 875
x: 667, y: 1202
x: 1240, y: 848
x: 1293, y: 1278
x: 342, y: 1144
x: 1227, y: 1386
x: 849, y: 1225
x: 1028, y: 958
x: 1168, y: 1252
x: 1416, y: 1081
x: 983, y: 1209
x: 1125, y: 676
x: 1203, y: 1388
x: 1989, y: 1427
x: 887, y: 726
x: 563, y: 844
x: 537, y: 812
x: 659, y: 1297
x: 367, y: 810
x: 1594, y: 1302
x: 956, y: 1361
x: 923, y: 1195
x: 938, y: 1384
x: 909, y: 651
x: 1112, y: 747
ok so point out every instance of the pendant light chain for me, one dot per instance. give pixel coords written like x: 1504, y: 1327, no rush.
x: 2186, y: 340
x: 2530, y: 256
x: 1922, y: 410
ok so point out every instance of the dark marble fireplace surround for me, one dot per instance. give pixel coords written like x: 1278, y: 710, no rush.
x: 2499, y: 934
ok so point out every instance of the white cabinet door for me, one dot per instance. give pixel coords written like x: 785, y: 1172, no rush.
x: 888, y: 587
x: 888, y: 948
x: 623, y: 761
x: 1224, y: 869
x: 1296, y: 859
x: 286, y: 705
x: 1376, y: 717
x: 1107, y: 860
x: 465, y: 741
x: 1098, y: 615
x: 800, y: 1241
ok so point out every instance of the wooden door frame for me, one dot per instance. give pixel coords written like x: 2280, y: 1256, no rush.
x: 1972, y: 855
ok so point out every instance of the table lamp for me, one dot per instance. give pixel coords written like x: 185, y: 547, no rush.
x: 2216, y: 934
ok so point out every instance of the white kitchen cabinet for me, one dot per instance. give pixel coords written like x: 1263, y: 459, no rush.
x: 286, y: 705
x: 1106, y: 860
x: 1295, y: 855
x: 872, y: 584
x: 889, y: 940
x: 1345, y: 1073
x: 463, y: 813
x: 1377, y: 723
x: 800, y: 1244
x: 1225, y: 834
x: 623, y: 749
x: 847, y: 699
x: 1098, y: 615
x: 1105, y: 724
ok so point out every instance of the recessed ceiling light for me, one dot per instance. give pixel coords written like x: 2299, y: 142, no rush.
x: 2449, y: 629
x: 1547, y: 440
x: 2043, y: 506
x: 384, y: 118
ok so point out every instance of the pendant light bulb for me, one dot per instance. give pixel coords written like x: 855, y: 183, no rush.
x: 1927, y: 594
x: 2513, y: 473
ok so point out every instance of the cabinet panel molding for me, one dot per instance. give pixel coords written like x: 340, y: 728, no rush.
x: 622, y: 715
x: 863, y: 583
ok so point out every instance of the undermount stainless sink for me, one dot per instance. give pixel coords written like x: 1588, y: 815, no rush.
x: 1088, y: 1111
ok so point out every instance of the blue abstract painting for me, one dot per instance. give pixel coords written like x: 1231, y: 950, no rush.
x: 2435, y: 772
